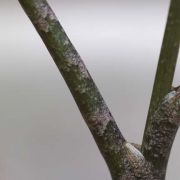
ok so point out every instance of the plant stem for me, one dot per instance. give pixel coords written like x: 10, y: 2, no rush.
x: 165, y: 70
x: 87, y: 96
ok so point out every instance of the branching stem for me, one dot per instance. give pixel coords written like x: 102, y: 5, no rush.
x: 124, y: 160
x: 90, y: 102
x: 163, y: 80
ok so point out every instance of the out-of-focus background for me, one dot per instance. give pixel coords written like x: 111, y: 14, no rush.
x: 42, y: 134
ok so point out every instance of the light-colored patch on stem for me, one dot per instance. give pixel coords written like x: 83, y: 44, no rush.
x: 137, y: 164
x: 99, y: 120
x: 133, y: 152
x: 171, y: 106
x: 45, y: 14
x: 169, y: 96
x: 73, y: 59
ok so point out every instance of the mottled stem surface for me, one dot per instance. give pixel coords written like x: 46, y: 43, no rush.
x: 124, y: 160
x: 165, y: 69
x: 161, y: 132
x: 90, y: 102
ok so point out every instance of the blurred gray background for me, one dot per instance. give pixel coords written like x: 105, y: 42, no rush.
x: 42, y: 134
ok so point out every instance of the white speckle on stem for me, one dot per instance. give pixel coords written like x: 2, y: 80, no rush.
x: 44, y: 13
x: 73, y: 59
x: 100, y: 119
x: 66, y: 42
x: 169, y: 96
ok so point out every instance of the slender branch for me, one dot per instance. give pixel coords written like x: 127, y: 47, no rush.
x: 161, y: 132
x: 90, y: 102
x: 166, y: 66
x: 124, y: 160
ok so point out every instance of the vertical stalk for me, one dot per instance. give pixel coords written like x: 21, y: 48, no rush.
x: 166, y: 68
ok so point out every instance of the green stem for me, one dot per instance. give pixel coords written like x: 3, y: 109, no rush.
x: 161, y: 132
x: 166, y: 67
x: 90, y: 102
